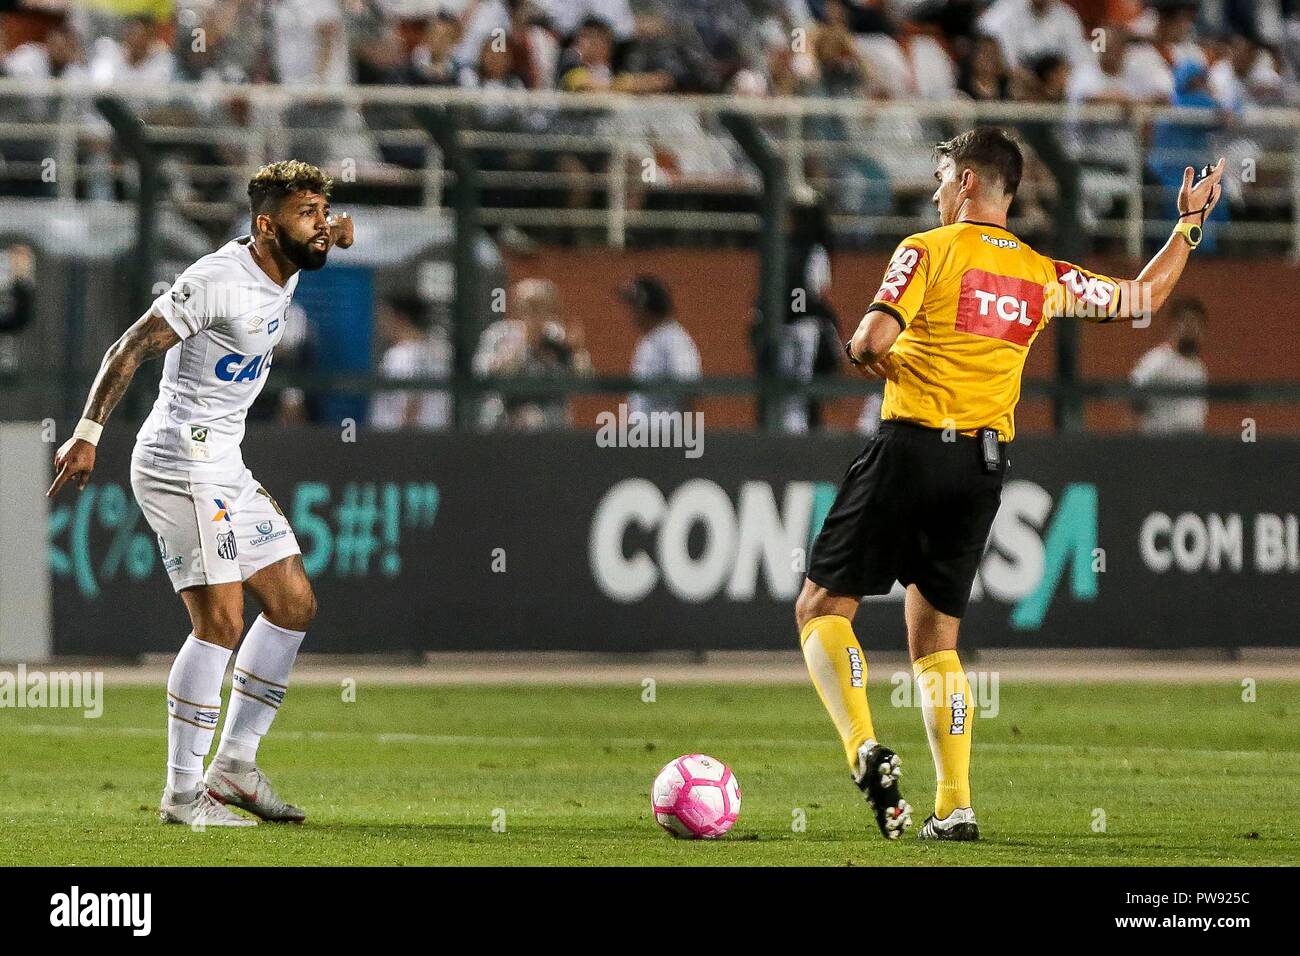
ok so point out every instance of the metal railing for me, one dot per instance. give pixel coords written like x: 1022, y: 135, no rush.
x: 621, y: 167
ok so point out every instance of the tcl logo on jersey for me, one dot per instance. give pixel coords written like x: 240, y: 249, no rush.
x: 999, y: 307
x: 1089, y: 289
x: 240, y: 368
x: 899, y: 274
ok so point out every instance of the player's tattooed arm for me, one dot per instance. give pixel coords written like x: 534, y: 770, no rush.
x: 147, y: 339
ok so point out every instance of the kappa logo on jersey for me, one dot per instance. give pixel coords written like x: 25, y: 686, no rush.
x: 999, y: 241
x: 226, y: 546
x: 223, y: 513
x: 899, y: 275
x: 999, y: 307
x: 240, y: 368
x: 1089, y: 289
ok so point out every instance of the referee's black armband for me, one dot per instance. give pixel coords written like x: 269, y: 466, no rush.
x: 890, y: 311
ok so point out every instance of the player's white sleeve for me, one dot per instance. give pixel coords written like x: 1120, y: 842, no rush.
x: 192, y: 302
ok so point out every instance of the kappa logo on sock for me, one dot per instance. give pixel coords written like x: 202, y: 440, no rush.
x: 855, y: 667
x: 958, y: 702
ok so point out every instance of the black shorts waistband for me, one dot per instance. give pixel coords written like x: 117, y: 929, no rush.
x: 902, y: 425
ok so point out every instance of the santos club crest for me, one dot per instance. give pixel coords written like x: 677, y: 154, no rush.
x: 226, y: 546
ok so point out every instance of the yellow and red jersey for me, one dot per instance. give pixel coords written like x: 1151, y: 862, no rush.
x: 972, y: 298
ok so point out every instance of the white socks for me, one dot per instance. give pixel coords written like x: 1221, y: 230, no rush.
x: 257, y: 687
x: 193, y: 708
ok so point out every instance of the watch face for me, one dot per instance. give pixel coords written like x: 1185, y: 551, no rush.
x: 1194, y: 234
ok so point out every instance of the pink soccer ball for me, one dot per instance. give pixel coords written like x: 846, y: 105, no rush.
x: 696, y: 797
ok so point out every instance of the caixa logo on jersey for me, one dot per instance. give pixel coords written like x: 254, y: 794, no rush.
x: 241, y: 368
x: 700, y: 544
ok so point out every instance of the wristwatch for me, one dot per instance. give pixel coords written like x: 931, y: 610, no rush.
x: 1189, y: 231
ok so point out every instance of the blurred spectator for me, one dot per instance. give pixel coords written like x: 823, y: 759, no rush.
x: 809, y: 344
x: 587, y: 65
x: 495, y: 69
x: 534, y: 343
x: 840, y: 68
x: 140, y: 58
x: 222, y: 40
x: 17, y: 302
x: 1049, y: 77
x: 1029, y: 29
x: 1176, y: 361
x: 414, y: 351
x: 311, y: 49
x: 1105, y: 150
x: 1245, y: 77
x: 567, y: 16
x: 1169, y: 45
x: 58, y: 56
x: 1117, y: 75
x: 984, y: 74
x: 809, y: 348
x: 534, y: 48
x: 378, y: 51
x: 664, y: 350
x: 310, y: 44
x: 433, y: 61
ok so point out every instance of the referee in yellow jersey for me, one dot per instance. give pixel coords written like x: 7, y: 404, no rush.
x: 948, y: 331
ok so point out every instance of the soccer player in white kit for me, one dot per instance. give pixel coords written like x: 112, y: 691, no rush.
x: 219, y: 531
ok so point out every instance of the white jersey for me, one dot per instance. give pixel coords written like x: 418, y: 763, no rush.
x: 229, y: 315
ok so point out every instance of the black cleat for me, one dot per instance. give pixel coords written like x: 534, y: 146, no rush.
x: 877, y: 778
x: 958, y: 825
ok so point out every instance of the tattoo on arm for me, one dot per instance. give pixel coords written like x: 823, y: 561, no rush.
x: 147, y: 339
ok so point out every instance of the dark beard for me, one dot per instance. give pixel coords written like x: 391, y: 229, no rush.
x: 301, y: 254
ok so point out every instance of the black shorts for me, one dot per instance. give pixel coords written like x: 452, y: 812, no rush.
x: 912, y: 508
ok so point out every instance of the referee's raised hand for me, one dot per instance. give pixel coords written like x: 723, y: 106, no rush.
x: 1200, y: 198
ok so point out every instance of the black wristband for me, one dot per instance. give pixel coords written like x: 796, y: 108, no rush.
x: 848, y: 350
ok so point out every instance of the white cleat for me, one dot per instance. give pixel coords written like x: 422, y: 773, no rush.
x: 198, y: 809
x: 241, y: 784
x: 959, y: 826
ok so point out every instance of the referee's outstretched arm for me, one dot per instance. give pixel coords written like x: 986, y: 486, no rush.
x: 1143, y: 296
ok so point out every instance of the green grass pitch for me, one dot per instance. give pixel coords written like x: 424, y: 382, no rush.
x: 418, y: 775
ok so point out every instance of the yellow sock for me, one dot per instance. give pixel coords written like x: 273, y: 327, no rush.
x: 947, y: 706
x: 839, y: 670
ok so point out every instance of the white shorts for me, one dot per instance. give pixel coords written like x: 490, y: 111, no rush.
x: 211, y: 531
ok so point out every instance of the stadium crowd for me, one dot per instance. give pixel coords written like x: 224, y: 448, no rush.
x: 984, y: 49
x: 1222, y: 56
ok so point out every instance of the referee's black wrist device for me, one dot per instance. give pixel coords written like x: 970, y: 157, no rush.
x: 848, y: 350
